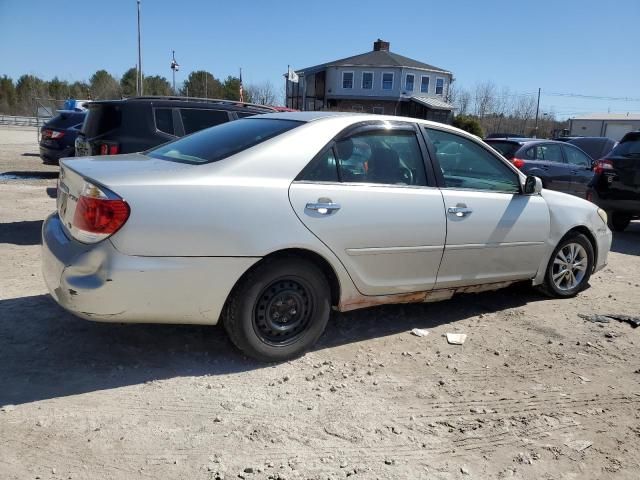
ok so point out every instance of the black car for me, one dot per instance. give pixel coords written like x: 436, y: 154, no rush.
x: 616, y: 182
x: 58, y: 135
x: 139, y: 123
x: 561, y: 166
x: 595, y: 147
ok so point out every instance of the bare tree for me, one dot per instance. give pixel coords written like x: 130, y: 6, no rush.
x: 262, y: 93
x: 463, y: 101
x: 484, y: 98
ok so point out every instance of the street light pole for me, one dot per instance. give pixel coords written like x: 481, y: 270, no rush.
x: 140, y: 88
x: 174, y: 68
x: 537, y: 113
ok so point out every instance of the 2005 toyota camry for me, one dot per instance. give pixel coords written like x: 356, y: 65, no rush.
x: 267, y: 223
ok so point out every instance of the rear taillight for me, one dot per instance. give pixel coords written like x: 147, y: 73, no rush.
x: 109, y: 149
x: 518, y: 163
x: 98, y: 214
x: 56, y: 135
x: 602, y: 165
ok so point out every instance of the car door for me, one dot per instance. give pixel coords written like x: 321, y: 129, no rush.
x: 368, y: 198
x: 552, y: 163
x: 581, y: 169
x: 494, y: 233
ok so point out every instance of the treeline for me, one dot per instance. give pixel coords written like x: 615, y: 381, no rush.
x: 500, y: 110
x: 23, y: 96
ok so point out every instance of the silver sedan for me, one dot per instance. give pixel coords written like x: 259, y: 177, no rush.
x: 268, y: 223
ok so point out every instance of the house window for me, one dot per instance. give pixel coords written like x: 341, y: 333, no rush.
x: 356, y: 108
x: 367, y: 80
x: 408, y: 82
x: 347, y: 79
x: 378, y: 110
x: 424, y: 84
x: 387, y: 81
x: 439, y: 86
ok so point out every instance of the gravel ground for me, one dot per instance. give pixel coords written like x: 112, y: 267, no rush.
x: 534, y: 393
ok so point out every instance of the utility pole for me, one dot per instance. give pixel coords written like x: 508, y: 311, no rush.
x: 537, y: 113
x: 139, y: 89
x: 174, y: 68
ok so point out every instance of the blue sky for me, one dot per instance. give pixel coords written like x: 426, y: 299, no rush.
x: 583, y: 47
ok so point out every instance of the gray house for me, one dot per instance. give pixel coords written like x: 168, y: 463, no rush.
x: 378, y: 81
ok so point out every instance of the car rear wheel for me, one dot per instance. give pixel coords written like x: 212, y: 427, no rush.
x: 570, y: 267
x: 279, y: 309
x: 619, y: 221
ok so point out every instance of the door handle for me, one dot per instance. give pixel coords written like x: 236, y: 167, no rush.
x: 544, y: 167
x: 323, y: 208
x: 460, y: 211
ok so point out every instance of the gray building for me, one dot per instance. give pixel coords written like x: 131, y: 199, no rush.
x: 612, y: 125
x: 378, y: 81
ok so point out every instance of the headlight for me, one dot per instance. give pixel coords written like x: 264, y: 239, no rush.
x: 603, y: 215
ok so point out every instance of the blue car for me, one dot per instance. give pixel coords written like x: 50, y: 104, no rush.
x: 58, y: 135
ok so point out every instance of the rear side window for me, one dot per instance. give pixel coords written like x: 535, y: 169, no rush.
x: 195, y: 119
x: 101, y: 119
x: 222, y: 141
x: 66, y: 120
x: 164, y: 120
x: 507, y: 149
x: 549, y: 153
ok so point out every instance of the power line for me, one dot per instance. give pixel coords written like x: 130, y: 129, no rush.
x: 592, y: 97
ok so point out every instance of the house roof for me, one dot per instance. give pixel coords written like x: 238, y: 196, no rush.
x: 376, y: 58
x: 608, y: 116
x: 434, y: 103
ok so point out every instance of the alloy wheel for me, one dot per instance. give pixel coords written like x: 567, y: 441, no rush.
x: 569, y: 266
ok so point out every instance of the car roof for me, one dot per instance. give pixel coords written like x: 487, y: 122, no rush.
x: 187, y: 101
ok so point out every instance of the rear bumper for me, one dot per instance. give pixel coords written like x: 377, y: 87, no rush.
x: 97, y: 282
x: 52, y: 155
x: 631, y: 207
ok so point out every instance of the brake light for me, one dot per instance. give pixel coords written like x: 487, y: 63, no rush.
x: 518, y: 163
x: 602, y: 165
x: 109, y: 149
x: 98, y: 215
x: 56, y: 135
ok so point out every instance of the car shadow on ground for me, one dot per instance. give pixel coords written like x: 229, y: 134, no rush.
x: 627, y: 242
x: 47, y: 353
x: 21, y: 233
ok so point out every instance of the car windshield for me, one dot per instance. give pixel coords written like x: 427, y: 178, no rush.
x: 629, y: 147
x: 222, y: 141
x: 507, y: 149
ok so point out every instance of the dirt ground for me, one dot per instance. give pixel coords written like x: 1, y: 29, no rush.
x: 536, y: 392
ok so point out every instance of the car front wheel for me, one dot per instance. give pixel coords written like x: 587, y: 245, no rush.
x: 279, y: 309
x: 570, y: 267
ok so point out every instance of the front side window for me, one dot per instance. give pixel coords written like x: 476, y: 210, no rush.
x: 195, y: 119
x: 347, y: 79
x: 222, y: 141
x: 367, y: 80
x: 408, y: 84
x: 424, y: 85
x: 576, y: 157
x: 439, y: 86
x: 465, y: 164
x: 387, y: 81
x: 549, y: 153
x: 323, y: 168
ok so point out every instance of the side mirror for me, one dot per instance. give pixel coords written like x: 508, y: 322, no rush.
x: 532, y: 185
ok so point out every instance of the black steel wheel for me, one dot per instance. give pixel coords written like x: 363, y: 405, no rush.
x: 279, y: 309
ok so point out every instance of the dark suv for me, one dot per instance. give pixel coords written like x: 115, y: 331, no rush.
x: 616, y: 182
x: 139, y: 123
x: 560, y: 165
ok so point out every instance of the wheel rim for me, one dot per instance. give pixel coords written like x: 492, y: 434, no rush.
x: 283, y: 311
x: 569, y: 266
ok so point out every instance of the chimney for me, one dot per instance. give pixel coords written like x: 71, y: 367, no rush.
x: 380, y: 46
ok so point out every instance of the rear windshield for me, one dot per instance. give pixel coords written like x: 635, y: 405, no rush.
x: 507, y: 149
x: 66, y: 120
x: 101, y: 119
x: 222, y: 141
x: 629, y: 147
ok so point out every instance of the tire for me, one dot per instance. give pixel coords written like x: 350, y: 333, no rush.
x: 565, y: 286
x: 279, y: 309
x: 619, y: 221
